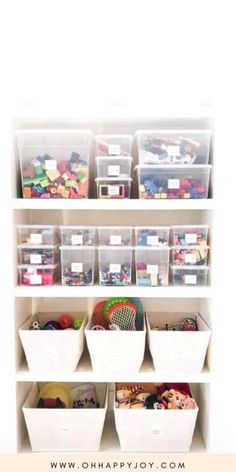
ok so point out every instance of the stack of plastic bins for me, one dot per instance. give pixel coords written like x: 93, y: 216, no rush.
x: 189, y: 255
x: 54, y: 163
x: 38, y: 255
x: 173, y: 164
x: 113, y: 158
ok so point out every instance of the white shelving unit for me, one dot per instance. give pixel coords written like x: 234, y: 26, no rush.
x: 25, y: 300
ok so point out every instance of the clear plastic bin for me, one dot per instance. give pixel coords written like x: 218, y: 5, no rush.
x: 115, y: 265
x: 78, y: 235
x: 77, y: 265
x: 114, y: 144
x: 38, y: 234
x: 38, y: 274
x: 173, y: 146
x: 152, y: 266
x: 179, y: 181
x: 189, y: 235
x: 189, y: 255
x: 114, y: 167
x: 54, y: 163
x: 39, y: 255
x: 189, y: 275
x: 115, y: 235
x: 152, y: 235
x: 112, y: 187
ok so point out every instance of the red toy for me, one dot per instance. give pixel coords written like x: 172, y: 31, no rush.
x: 66, y: 321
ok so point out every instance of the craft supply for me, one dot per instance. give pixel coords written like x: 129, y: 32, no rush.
x: 38, y: 274
x: 189, y: 275
x: 32, y: 254
x: 77, y: 265
x: 77, y: 235
x: 119, y: 276
x: 37, y: 235
x: 152, y: 266
x: 190, y: 235
x: 152, y: 236
x: 70, y: 277
x: 189, y: 255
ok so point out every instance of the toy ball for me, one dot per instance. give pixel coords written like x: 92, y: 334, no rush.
x: 52, y: 325
x: 66, y: 321
x: 77, y: 323
x: 35, y: 326
x: 190, y: 325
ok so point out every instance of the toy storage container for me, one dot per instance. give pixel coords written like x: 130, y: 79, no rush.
x: 114, y: 167
x: 41, y: 255
x: 38, y: 234
x: 114, y: 351
x: 189, y: 255
x: 115, y: 265
x: 152, y: 235
x: 115, y: 235
x: 173, y: 181
x: 38, y: 274
x: 78, y: 235
x: 173, y: 146
x: 52, y: 350
x: 189, y: 235
x: 177, y: 351
x: 152, y: 266
x: 65, y: 429
x: 189, y: 275
x: 54, y: 163
x: 113, y: 187
x: 143, y: 430
x: 77, y: 265
x: 114, y: 145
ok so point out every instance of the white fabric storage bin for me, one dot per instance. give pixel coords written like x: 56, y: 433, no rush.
x: 141, y: 430
x: 65, y: 429
x: 116, y: 351
x: 52, y: 350
x: 177, y: 351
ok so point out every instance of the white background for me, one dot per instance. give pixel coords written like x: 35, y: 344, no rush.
x: 75, y: 57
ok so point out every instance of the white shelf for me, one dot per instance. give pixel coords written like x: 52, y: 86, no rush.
x: 59, y: 291
x: 110, y: 443
x: 84, y: 373
x: 100, y: 204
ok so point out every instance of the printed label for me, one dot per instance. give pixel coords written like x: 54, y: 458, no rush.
x: 77, y: 267
x: 36, y: 238
x: 115, y: 240
x: 190, y: 279
x: 76, y: 239
x: 152, y: 269
x: 152, y: 240
x: 36, y: 279
x: 191, y: 238
x: 50, y: 164
x: 114, y: 149
x: 173, y: 151
x: 115, y: 267
x: 113, y: 190
x: 173, y: 183
x: 190, y: 258
x: 113, y: 171
x: 35, y: 259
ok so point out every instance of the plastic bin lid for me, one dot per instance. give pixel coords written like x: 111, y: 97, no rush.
x: 189, y: 226
x: 172, y: 131
x: 78, y: 248
x: 115, y: 227
x: 38, y: 226
x: 113, y: 158
x: 172, y: 166
x: 189, y: 248
x: 113, y: 179
x: 76, y: 227
x: 152, y: 227
x: 153, y: 248
x: 35, y: 246
x: 188, y: 267
x: 116, y: 248
x: 38, y: 266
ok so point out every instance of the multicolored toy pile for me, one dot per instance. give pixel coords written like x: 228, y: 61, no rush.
x: 59, y: 395
x: 166, y: 396
x: 63, y: 321
x: 118, y: 313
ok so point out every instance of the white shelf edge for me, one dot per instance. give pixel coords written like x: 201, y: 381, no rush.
x: 100, y: 204
x: 98, y: 291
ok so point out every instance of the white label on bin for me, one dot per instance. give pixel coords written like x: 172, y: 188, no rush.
x: 173, y: 151
x: 76, y: 239
x: 173, y: 183
x: 35, y: 259
x: 191, y: 238
x: 115, y: 267
x: 77, y: 267
x: 115, y: 240
x: 152, y: 269
x: 36, y: 279
x: 113, y: 171
x: 152, y: 240
x: 114, y: 149
x: 50, y: 164
x: 36, y: 238
x: 190, y: 279
x: 190, y: 258
x: 113, y: 190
